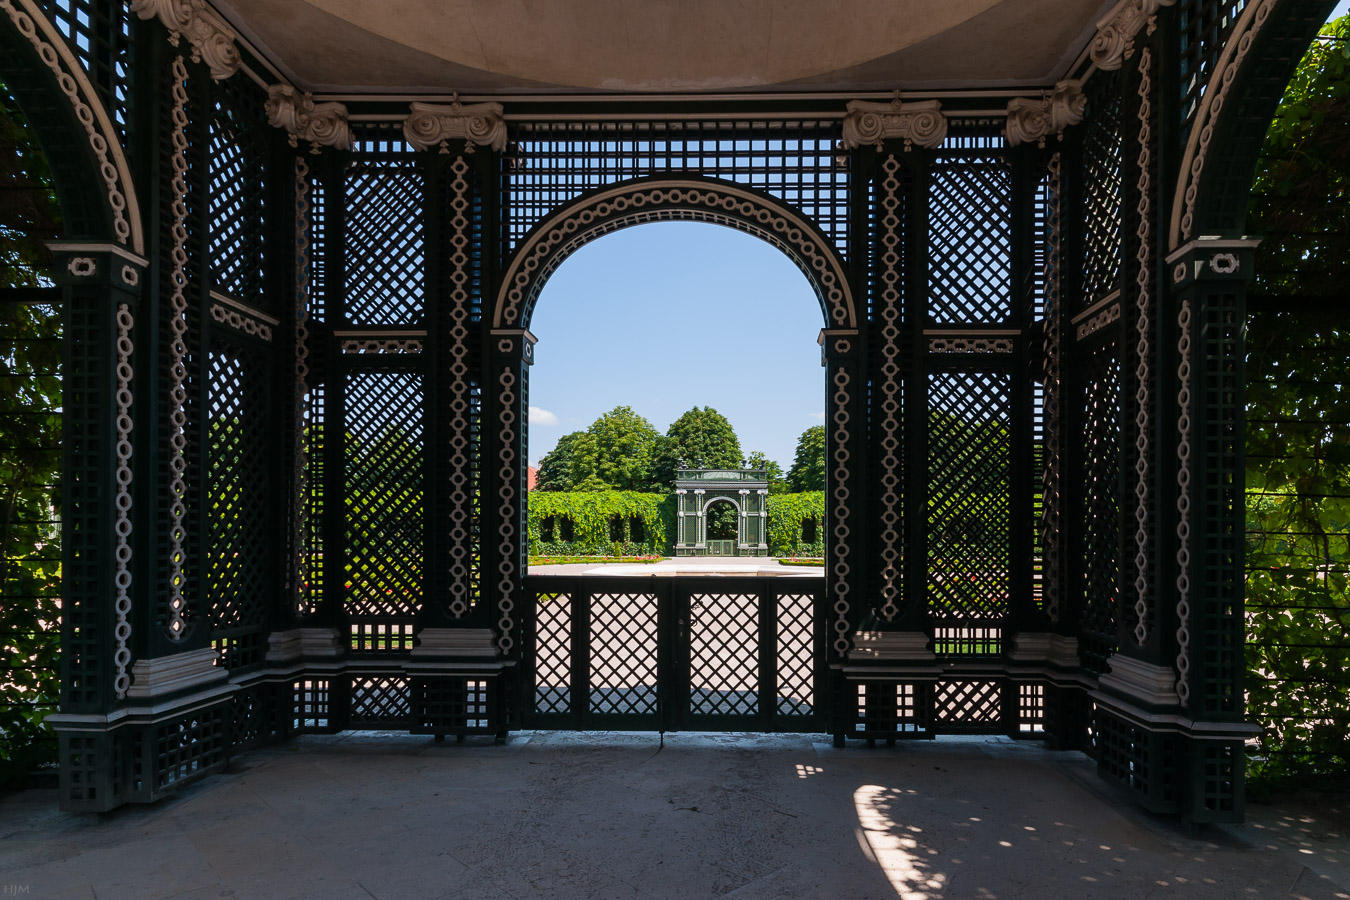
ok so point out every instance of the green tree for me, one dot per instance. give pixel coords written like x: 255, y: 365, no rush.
x: 1301, y: 196
x: 772, y: 471
x: 616, y: 452
x: 1298, y: 447
x: 30, y: 453
x: 701, y: 437
x: 561, y: 467
x: 808, y: 466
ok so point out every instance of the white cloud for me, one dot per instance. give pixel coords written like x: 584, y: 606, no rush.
x: 819, y: 417
x: 541, y: 416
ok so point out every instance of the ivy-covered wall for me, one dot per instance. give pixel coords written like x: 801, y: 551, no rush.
x: 607, y: 523
x: 789, y: 531
x: 600, y: 523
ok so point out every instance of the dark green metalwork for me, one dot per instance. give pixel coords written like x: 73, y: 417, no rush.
x: 1032, y: 383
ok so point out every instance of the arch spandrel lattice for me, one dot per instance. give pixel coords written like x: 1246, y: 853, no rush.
x: 298, y: 428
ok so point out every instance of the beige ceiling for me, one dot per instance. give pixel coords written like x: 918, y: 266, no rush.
x: 485, y: 46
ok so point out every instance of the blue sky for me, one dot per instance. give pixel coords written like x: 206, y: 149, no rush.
x: 667, y: 316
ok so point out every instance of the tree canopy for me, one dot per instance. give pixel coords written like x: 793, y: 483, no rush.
x: 808, y: 466
x: 1298, y: 444
x: 701, y: 437
x: 1301, y: 196
x: 617, y: 452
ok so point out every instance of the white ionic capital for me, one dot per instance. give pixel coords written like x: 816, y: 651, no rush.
x: 321, y: 124
x: 432, y: 125
x: 921, y: 123
x: 1114, y: 41
x: 211, y: 37
x: 1034, y: 120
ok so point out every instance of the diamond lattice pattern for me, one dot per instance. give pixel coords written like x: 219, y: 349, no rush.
x: 553, y: 654
x: 384, y: 493
x: 796, y: 678
x: 1103, y: 200
x: 724, y: 654
x: 969, y: 231
x: 237, y: 495
x: 968, y: 513
x: 1101, y: 493
x: 384, y: 245
x: 623, y: 661
x: 235, y: 202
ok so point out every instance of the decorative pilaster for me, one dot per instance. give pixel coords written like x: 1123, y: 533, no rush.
x: 845, y: 436
x: 511, y: 352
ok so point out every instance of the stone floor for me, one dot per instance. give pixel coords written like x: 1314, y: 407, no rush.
x: 572, y: 815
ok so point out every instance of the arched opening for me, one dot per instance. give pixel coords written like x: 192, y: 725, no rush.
x: 723, y: 518
x: 638, y: 326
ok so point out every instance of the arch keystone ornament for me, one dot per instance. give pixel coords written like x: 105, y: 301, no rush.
x: 660, y: 200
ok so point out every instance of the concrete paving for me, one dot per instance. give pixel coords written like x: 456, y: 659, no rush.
x: 582, y: 815
x: 685, y: 565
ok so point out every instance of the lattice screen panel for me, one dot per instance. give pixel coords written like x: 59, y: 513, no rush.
x: 1100, y: 509
x: 237, y: 190
x: 383, y: 490
x: 553, y: 163
x: 969, y: 467
x: 553, y: 653
x: 1205, y: 27
x: 968, y: 705
x: 969, y: 233
x: 311, y: 705
x: 623, y: 657
x: 380, y: 701
x: 384, y: 277
x: 795, y: 658
x: 724, y: 654
x: 313, y: 569
x: 237, y: 503
x: 1221, y: 505
x: 1102, y: 188
x: 99, y: 34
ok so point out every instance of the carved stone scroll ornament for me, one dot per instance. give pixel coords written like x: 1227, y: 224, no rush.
x: 921, y: 122
x: 322, y: 124
x: 1114, y: 41
x: 211, y: 37
x: 1033, y: 120
x: 432, y: 125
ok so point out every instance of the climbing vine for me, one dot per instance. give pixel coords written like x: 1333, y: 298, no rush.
x: 789, y: 533
x: 600, y: 522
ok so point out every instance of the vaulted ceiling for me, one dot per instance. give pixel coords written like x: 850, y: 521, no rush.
x: 509, y: 46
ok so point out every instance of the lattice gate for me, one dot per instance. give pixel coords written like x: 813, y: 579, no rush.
x: 737, y: 653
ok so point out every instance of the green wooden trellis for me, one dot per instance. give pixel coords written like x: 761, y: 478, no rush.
x: 696, y: 490
x: 297, y: 391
